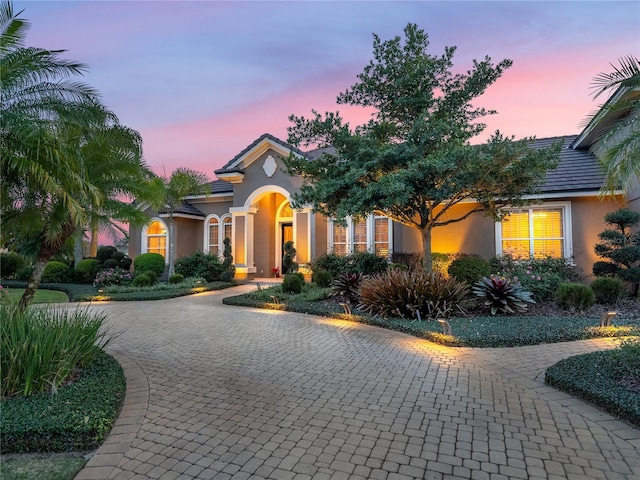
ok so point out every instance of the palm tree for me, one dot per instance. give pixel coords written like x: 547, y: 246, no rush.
x: 618, y: 147
x: 51, y: 129
x: 168, y: 193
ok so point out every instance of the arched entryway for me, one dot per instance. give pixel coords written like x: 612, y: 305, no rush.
x: 262, y: 226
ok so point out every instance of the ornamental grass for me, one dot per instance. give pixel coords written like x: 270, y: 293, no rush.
x: 42, y: 347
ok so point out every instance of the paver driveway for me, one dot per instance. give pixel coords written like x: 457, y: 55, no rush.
x: 226, y: 392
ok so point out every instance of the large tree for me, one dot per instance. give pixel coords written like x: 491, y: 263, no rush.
x: 168, y: 193
x: 413, y: 160
x: 49, y: 127
x: 618, y: 147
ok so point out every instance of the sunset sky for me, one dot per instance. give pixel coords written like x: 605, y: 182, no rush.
x: 201, y: 80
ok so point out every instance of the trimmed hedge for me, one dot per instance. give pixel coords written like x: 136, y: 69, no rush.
x: 583, y: 376
x: 160, y: 291
x: 146, y: 262
x: 78, y: 417
x: 55, y: 272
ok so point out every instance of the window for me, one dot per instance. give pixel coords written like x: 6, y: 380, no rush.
x: 155, y: 238
x: 339, y: 239
x: 371, y: 234
x: 359, y: 240
x: 227, y: 228
x: 539, y: 232
x: 381, y: 236
x: 214, y: 236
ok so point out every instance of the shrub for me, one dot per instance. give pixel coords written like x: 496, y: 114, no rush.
x: 330, y: 262
x: 292, y: 283
x: 11, y: 263
x: 111, y: 263
x: 77, y: 418
x: 502, y: 295
x: 575, y: 297
x: 176, y: 278
x: 322, y: 278
x: 200, y: 264
x: 87, y: 269
x: 608, y: 290
x: 125, y: 263
x: 24, y: 274
x: 399, y: 293
x: 111, y: 276
x: 413, y: 261
x: 143, y: 280
x: 628, y: 354
x: 288, y: 264
x: 228, y: 268
x: 346, y: 285
x: 104, y: 253
x: 56, y: 272
x: 540, y: 276
x: 469, y: 269
x: 118, y: 256
x: 368, y: 263
x: 42, y: 346
x: 146, y: 262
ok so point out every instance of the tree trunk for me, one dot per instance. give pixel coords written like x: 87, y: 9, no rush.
x: 78, y: 247
x: 171, y: 245
x: 427, y: 257
x: 93, y: 246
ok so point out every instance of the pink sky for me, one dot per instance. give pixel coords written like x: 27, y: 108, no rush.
x: 201, y: 80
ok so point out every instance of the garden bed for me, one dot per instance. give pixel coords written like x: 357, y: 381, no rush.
x: 471, y: 331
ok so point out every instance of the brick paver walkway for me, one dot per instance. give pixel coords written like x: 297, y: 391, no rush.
x: 218, y: 392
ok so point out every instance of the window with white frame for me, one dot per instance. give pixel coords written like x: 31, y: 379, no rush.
x: 216, y: 230
x: 155, y: 238
x: 371, y: 234
x: 538, y: 231
x: 214, y: 236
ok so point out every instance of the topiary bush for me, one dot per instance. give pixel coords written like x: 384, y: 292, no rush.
x: 322, y: 278
x: 142, y: 280
x: 288, y: 264
x: 176, y: 278
x: 56, y: 272
x: 111, y: 263
x: 86, y: 270
x: 149, y: 262
x: 125, y: 263
x: 502, y: 295
x: 469, y: 269
x: 11, y: 263
x: 104, y: 253
x: 575, y: 297
x: 200, y: 264
x: 608, y: 290
x: 292, y: 283
x: 400, y: 293
x: 228, y: 268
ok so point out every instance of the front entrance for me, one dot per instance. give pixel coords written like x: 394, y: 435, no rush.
x: 286, y: 234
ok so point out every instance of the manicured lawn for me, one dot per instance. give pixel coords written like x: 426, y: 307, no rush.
x: 41, y: 468
x: 41, y: 296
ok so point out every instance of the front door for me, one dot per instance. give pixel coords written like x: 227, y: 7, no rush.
x: 286, y: 235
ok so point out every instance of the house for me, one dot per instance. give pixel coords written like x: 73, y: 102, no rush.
x: 249, y: 203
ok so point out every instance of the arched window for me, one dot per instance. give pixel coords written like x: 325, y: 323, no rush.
x: 155, y: 238
x: 227, y: 231
x: 214, y: 236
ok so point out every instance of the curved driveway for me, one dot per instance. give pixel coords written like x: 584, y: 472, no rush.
x: 233, y: 393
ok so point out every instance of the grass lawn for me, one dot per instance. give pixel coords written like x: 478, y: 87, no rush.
x: 41, y: 296
x: 55, y: 468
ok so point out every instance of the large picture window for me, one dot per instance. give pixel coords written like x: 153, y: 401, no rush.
x: 539, y: 231
x: 371, y: 234
x: 154, y: 238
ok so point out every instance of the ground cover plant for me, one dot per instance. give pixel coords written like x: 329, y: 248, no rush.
x: 609, y: 379
x: 476, y: 331
x: 157, y: 291
x: 76, y: 418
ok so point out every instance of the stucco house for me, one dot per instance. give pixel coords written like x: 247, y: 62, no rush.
x: 249, y: 203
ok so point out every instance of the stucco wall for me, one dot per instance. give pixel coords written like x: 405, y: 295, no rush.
x: 189, y: 235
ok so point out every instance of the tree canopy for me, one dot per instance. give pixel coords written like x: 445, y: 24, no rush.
x: 413, y: 160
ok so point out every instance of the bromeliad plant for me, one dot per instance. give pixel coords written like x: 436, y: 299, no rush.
x: 502, y: 295
x: 346, y: 286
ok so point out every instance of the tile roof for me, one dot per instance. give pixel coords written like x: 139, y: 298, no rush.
x: 220, y: 186
x: 226, y: 168
x: 185, y: 209
x: 578, y: 170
